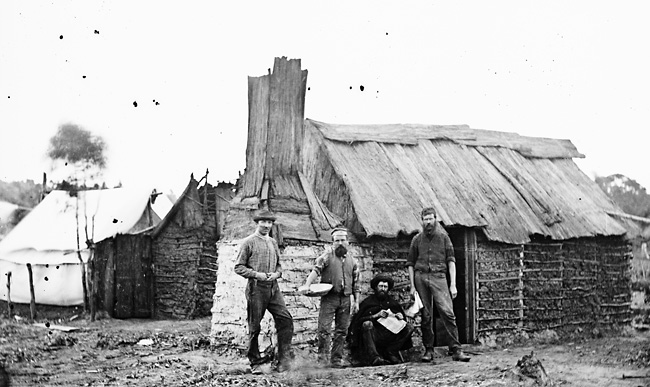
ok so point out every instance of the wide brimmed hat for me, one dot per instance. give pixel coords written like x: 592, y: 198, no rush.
x: 264, y: 215
x: 382, y: 278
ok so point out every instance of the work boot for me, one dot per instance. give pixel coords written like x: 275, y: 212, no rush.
x: 393, y: 358
x: 378, y: 361
x: 428, y: 355
x: 339, y: 363
x: 282, y: 367
x: 458, y: 355
x: 323, y: 362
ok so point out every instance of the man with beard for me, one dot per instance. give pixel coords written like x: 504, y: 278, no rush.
x: 335, y: 267
x: 373, y: 339
x: 431, y: 258
x: 259, y: 262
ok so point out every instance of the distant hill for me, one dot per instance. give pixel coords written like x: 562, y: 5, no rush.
x: 10, y: 215
x: 16, y: 200
x: 21, y: 193
x: 626, y: 193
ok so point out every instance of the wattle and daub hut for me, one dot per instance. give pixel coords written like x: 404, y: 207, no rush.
x: 168, y: 270
x: 538, y: 245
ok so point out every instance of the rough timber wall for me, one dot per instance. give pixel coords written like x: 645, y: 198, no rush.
x: 561, y: 286
x: 389, y: 257
x: 499, y: 298
x: 207, y: 272
x: 185, y: 271
x: 229, y: 327
x: 176, y: 255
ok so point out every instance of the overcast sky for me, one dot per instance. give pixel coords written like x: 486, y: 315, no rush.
x: 578, y: 70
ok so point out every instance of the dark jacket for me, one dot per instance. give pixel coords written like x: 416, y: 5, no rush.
x: 370, y: 306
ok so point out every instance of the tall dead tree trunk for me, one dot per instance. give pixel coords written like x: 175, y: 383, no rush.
x: 276, y: 104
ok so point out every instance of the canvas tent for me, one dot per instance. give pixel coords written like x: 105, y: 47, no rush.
x: 47, y: 239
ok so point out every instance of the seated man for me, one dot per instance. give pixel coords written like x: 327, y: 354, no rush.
x: 378, y: 330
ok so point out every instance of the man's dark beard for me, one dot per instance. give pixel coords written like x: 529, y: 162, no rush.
x: 382, y: 295
x: 429, y: 228
x: 340, y: 251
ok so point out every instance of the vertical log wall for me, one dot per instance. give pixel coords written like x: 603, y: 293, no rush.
x: 559, y: 286
x: 185, y: 270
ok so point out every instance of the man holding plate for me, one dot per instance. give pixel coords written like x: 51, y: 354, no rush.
x: 335, y: 267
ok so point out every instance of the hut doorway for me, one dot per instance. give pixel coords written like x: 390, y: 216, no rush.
x: 125, y: 276
x: 464, y: 242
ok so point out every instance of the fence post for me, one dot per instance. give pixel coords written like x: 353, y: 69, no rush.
x: 521, y: 289
x: 562, y: 292
x: 32, y: 304
x: 93, y: 285
x: 9, y: 306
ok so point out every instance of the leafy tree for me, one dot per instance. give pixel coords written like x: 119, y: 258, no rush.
x: 85, y: 152
x: 78, y: 148
x: 22, y: 193
x: 626, y: 193
x: 75, y: 144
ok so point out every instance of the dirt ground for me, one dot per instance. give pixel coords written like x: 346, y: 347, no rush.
x: 112, y: 352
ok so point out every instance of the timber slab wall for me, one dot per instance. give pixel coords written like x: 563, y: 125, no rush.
x: 519, y: 289
x: 562, y: 286
x: 185, y: 271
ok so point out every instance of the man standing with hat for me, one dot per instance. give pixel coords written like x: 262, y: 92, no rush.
x: 378, y: 332
x: 259, y: 262
x: 431, y: 258
x: 335, y: 267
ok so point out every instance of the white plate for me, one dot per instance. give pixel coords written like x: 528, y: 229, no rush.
x: 317, y: 290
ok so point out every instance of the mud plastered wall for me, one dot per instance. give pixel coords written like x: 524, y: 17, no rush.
x: 567, y: 286
x: 229, y: 325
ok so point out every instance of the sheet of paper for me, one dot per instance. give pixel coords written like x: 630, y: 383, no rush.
x: 392, y: 323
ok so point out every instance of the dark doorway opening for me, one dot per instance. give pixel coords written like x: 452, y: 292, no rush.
x: 464, y: 242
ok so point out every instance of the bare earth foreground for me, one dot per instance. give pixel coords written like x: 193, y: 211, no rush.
x: 112, y: 352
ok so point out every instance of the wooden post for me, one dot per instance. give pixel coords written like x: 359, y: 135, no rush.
x: 477, y: 301
x: 563, y: 293
x: 521, y: 288
x: 44, y: 188
x: 81, y: 261
x: 84, y: 283
x: 217, y: 210
x: 32, y: 304
x: 276, y: 233
x: 205, y: 192
x: 471, y: 286
x: 93, y: 285
x: 9, y: 306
